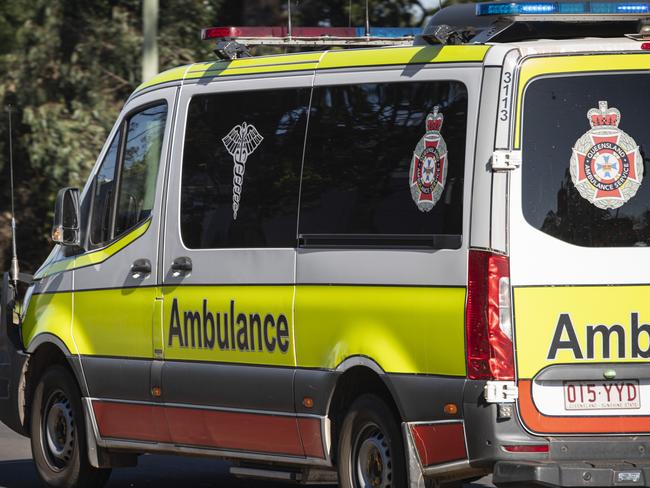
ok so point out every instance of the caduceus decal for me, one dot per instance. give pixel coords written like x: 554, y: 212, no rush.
x: 240, y: 142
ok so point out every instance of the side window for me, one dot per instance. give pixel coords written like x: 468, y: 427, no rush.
x: 241, y: 169
x: 128, y: 173
x: 384, y: 165
x: 103, y: 189
x: 144, y: 136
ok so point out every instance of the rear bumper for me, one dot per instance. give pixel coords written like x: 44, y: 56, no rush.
x: 598, y: 460
x: 577, y: 473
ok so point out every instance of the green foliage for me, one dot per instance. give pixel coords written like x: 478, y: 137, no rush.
x: 69, y: 65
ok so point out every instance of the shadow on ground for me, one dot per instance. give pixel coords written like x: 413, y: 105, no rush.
x: 152, y: 471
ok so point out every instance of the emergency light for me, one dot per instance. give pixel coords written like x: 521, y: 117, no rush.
x: 307, y: 32
x: 562, y: 8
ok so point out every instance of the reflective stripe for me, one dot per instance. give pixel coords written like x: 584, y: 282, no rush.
x: 331, y: 59
x: 94, y: 257
x: 402, y: 55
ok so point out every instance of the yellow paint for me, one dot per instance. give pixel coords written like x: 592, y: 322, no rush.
x: 174, y: 74
x: 414, y: 330
x: 537, y: 311
x: 402, y: 55
x: 534, y: 67
x: 93, y: 257
x: 115, y: 322
x: 51, y: 313
x: 263, y: 300
x: 343, y: 58
x: 403, y: 329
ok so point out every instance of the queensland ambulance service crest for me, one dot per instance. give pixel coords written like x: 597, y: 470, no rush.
x: 429, y: 164
x: 606, y: 166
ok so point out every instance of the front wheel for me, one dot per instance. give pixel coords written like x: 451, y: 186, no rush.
x: 370, y: 449
x: 58, y: 434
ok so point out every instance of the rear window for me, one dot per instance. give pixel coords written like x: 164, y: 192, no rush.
x: 585, y: 140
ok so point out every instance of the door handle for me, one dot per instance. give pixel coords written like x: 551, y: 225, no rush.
x: 141, y: 266
x: 183, y: 264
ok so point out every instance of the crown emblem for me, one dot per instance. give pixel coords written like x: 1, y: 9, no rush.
x: 434, y: 120
x: 604, y: 116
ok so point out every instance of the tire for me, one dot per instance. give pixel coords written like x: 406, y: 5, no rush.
x: 58, y: 433
x: 370, y: 448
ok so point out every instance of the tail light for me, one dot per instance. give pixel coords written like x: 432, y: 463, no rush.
x: 488, y: 322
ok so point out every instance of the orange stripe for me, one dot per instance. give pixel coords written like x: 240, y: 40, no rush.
x: 439, y: 443
x: 268, y: 433
x: 545, y: 424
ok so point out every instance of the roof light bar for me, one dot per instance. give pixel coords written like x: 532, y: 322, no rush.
x: 314, y: 36
x: 563, y: 8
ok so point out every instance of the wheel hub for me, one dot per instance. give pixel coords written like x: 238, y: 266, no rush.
x: 374, y: 465
x: 58, y: 430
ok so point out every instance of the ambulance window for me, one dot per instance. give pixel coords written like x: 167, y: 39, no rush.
x: 584, y: 180
x: 357, y: 187
x: 139, y: 170
x: 241, y: 168
x: 100, y: 224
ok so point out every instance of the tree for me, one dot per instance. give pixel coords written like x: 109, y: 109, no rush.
x: 70, y: 64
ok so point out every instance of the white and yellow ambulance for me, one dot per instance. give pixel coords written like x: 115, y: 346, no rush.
x: 392, y: 266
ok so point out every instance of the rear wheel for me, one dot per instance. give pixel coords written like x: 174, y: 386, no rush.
x: 58, y: 434
x: 370, y: 449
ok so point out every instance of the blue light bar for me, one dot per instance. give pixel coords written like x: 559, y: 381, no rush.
x: 565, y: 8
x: 389, y: 31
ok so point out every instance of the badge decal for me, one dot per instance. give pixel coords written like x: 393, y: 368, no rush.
x: 240, y: 142
x: 428, y: 172
x: 606, y: 166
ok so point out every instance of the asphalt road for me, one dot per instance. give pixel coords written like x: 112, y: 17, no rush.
x: 17, y: 471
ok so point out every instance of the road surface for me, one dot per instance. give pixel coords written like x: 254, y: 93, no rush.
x: 17, y: 471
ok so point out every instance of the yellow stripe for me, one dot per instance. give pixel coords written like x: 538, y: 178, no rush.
x: 117, y: 322
x: 538, y: 312
x: 403, y: 329
x: 535, y: 67
x: 94, y: 257
x: 402, y: 55
x: 174, y: 74
x: 330, y: 59
x: 415, y: 330
x: 51, y: 313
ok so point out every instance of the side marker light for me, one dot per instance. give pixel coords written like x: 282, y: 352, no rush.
x: 451, y: 409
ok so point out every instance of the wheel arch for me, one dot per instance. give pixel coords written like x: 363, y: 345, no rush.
x: 45, y: 350
x: 357, y: 375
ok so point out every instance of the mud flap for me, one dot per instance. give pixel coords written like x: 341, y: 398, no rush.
x: 413, y: 467
x: 12, y: 363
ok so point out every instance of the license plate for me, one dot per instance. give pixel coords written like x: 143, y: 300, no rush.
x: 597, y: 395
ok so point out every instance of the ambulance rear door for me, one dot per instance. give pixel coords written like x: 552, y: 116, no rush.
x: 579, y: 236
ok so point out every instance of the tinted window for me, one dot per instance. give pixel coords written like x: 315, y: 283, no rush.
x: 241, y: 169
x: 144, y: 136
x: 358, y: 174
x: 617, y: 213
x: 103, y: 189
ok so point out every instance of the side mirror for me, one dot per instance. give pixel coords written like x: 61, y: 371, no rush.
x: 65, y: 229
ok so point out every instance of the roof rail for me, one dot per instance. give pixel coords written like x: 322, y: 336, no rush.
x: 232, y: 42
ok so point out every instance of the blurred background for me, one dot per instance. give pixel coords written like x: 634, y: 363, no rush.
x: 67, y: 67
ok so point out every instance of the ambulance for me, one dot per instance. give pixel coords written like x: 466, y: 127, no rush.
x: 410, y: 263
